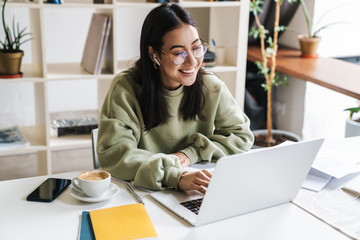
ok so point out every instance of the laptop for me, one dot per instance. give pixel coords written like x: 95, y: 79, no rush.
x: 245, y: 182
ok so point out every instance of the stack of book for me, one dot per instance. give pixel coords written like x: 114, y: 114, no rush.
x: 96, y: 43
x: 12, y: 137
x: 209, y: 60
x: 123, y: 222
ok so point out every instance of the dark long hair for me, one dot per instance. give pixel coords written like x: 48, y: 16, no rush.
x: 154, y: 107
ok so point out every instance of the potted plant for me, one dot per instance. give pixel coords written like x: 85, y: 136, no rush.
x: 267, y: 67
x: 309, y: 42
x: 10, y: 52
x: 352, y: 127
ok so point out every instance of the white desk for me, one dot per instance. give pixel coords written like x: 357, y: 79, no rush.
x: 60, y: 219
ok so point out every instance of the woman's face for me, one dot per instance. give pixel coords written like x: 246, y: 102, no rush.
x: 185, y: 38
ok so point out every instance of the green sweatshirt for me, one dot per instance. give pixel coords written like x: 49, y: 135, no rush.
x: 130, y: 153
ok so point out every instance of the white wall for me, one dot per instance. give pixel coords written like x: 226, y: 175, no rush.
x: 324, y: 114
x: 339, y: 40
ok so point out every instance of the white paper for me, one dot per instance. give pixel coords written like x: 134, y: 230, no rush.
x: 316, y: 180
x: 337, y: 164
x: 200, y: 166
x: 339, y: 209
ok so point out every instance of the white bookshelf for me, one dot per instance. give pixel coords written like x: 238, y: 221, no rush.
x: 226, y: 22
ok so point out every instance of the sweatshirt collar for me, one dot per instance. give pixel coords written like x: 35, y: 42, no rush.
x: 174, y: 93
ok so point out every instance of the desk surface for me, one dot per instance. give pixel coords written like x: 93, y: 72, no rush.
x: 60, y: 219
x: 331, y: 73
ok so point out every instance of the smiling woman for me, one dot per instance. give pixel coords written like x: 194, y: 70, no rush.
x: 166, y: 113
x: 184, y: 56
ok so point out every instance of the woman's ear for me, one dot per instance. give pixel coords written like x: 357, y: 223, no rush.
x: 152, y: 55
x: 151, y: 52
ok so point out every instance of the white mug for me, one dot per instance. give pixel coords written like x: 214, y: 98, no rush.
x: 93, y: 183
x: 220, y: 55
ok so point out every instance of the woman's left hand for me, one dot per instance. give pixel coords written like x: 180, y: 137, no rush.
x: 195, y: 181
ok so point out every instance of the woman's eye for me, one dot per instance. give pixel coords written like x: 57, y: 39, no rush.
x: 179, y: 53
x: 198, y: 48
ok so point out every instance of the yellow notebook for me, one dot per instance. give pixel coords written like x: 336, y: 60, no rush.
x: 123, y: 222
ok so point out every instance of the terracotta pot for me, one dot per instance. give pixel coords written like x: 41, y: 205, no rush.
x: 352, y: 128
x: 10, y: 63
x: 276, y: 132
x: 308, y: 46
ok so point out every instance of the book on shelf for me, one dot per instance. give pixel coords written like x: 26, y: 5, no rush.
x: 12, y: 137
x: 96, y: 42
x: 102, y: 1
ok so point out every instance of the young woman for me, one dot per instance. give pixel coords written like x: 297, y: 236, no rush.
x: 165, y: 113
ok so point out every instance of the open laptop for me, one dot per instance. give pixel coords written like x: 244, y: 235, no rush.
x: 246, y: 182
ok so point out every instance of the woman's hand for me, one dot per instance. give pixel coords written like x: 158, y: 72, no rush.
x: 184, y: 160
x: 195, y: 181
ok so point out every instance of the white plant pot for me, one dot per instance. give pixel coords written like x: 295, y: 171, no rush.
x: 352, y: 128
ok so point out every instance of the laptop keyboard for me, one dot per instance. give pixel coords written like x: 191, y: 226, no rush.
x: 193, y: 205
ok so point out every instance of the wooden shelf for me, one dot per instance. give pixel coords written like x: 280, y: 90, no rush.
x: 334, y: 74
x: 70, y: 142
x: 64, y: 71
x: 22, y: 150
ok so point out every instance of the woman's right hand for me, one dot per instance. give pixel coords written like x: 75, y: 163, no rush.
x: 195, y: 181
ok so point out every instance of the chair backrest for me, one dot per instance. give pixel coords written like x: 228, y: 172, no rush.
x: 94, y: 134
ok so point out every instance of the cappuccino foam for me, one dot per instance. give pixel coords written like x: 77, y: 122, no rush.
x: 94, y: 176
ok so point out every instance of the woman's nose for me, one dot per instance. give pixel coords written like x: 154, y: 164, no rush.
x: 191, y: 59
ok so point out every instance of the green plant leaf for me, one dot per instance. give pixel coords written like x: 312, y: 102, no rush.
x: 307, y: 17
x: 256, y: 7
x: 293, y: 30
x: 14, y: 37
x: 255, y: 33
x: 352, y: 111
x: 324, y: 27
x: 280, y: 28
x: 280, y: 81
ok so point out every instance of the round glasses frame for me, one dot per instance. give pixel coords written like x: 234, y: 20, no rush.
x: 181, y: 58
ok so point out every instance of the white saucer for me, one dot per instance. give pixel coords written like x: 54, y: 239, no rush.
x: 111, y: 192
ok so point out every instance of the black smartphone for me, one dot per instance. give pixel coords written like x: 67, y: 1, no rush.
x: 50, y: 189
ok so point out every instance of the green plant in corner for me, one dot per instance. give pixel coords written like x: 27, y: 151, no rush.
x: 10, y: 52
x: 353, y: 111
x: 13, y: 38
x: 309, y: 42
x: 312, y: 29
x: 266, y: 67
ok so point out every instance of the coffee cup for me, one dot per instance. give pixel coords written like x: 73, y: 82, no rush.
x: 93, y: 183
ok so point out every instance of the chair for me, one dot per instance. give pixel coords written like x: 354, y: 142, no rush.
x: 94, y: 134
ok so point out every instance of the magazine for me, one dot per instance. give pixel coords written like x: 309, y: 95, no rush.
x: 11, y: 137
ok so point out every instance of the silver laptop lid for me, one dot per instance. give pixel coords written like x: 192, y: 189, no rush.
x: 258, y: 179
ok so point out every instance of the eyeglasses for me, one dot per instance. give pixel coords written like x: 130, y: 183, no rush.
x: 179, y: 57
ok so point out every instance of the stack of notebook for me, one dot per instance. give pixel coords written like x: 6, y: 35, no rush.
x: 122, y: 222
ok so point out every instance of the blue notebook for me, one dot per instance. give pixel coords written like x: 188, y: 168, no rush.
x: 86, y: 229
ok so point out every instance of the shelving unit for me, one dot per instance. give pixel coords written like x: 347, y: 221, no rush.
x: 226, y: 22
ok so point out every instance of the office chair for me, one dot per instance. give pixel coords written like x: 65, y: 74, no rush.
x: 94, y: 134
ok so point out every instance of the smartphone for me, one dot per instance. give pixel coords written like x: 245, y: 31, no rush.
x: 49, y: 190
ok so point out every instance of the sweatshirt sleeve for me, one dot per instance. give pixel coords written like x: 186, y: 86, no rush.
x: 231, y: 133
x: 118, y: 138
